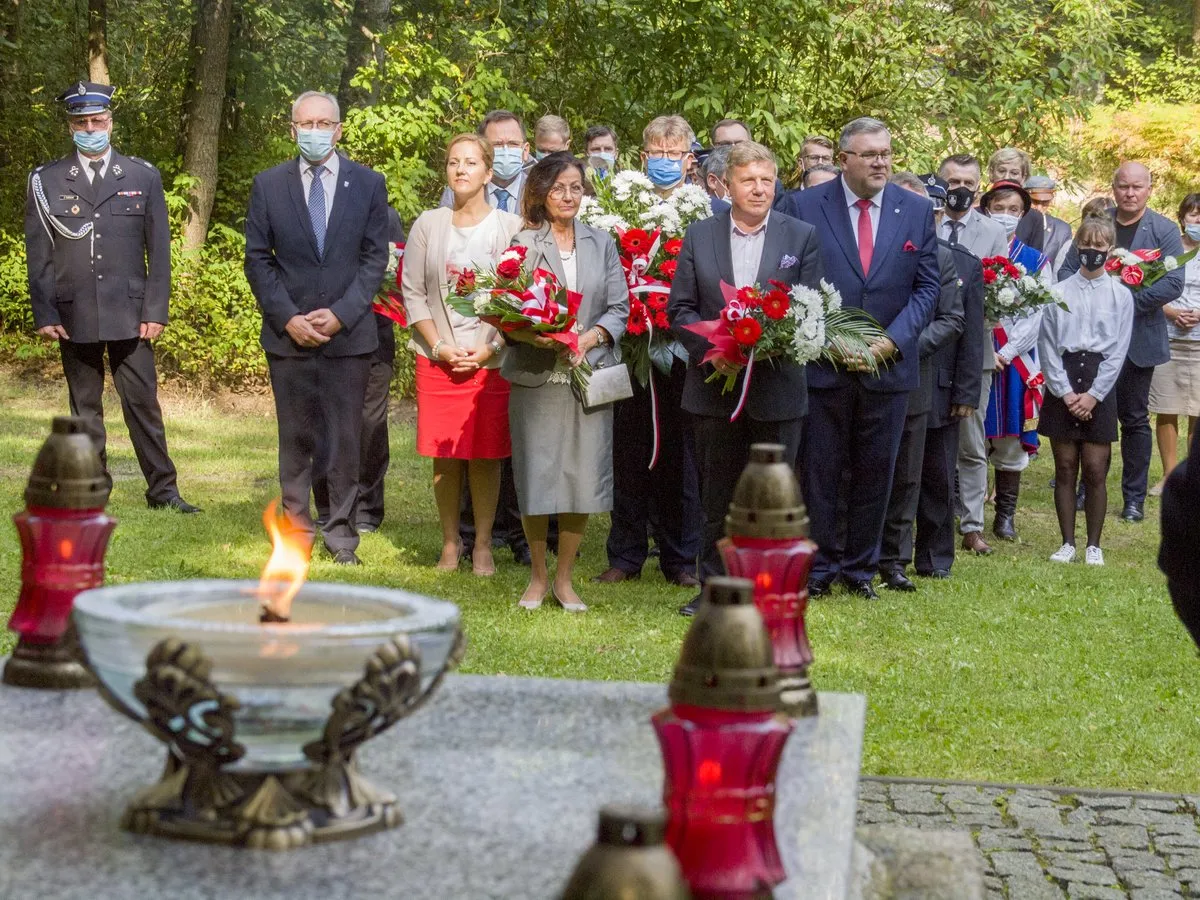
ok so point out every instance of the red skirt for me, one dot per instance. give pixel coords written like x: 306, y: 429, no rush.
x: 460, y: 415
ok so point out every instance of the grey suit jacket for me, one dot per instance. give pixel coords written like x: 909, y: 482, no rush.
x: 601, y: 281
x: 1148, y: 345
x: 944, y: 329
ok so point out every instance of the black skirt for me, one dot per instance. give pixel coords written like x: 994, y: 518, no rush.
x: 1056, y: 421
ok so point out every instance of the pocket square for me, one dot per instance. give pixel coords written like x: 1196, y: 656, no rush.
x: 910, y: 247
x: 788, y: 261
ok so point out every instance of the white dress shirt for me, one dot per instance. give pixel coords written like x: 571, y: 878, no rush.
x: 873, y: 211
x: 747, y: 250
x: 1100, y: 320
x: 86, y: 164
x: 979, y: 234
x: 329, y: 180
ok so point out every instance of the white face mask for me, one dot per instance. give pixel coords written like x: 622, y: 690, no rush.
x: 1009, y: 222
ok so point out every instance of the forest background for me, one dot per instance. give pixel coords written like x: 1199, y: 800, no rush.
x: 205, y: 88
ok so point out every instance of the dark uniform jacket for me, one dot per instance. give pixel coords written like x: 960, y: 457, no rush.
x: 287, y: 275
x: 102, y: 286
x: 958, y: 366
x: 941, y: 332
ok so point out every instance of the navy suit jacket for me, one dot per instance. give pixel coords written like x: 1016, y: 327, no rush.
x: 1148, y: 345
x: 777, y: 392
x: 900, y: 291
x: 287, y: 275
x: 958, y: 366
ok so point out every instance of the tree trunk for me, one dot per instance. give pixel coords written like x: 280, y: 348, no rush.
x: 1196, y: 26
x: 369, y: 20
x: 98, y: 41
x: 206, y: 93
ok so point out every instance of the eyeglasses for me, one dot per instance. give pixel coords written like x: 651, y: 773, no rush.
x: 818, y: 158
x: 82, y: 123
x: 871, y: 156
x: 319, y: 125
x: 673, y: 155
x: 560, y: 191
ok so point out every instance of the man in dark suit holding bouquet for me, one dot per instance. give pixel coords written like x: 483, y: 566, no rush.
x: 746, y: 245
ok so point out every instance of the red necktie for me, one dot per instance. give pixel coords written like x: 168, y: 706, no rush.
x: 866, y: 243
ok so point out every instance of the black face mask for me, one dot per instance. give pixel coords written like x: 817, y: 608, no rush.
x: 959, y: 199
x: 1091, y: 260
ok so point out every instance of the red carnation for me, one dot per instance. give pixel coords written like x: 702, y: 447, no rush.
x: 1147, y: 255
x: 1132, y: 275
x: 1012, y: 271
x: 635, y: 241
x: 750, y: 297
x: 520, y: 250
x: 673, y: 246
x: 465, y: 283
x: 775, y: 305
x: 989, y: 276
x: 509, y: 268
x: 667, y: 268
x: 1113, y: 265
x: 746, y: 331
x: 661, y: 320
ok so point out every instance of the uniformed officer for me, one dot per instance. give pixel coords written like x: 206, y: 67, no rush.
x: 99, y: 257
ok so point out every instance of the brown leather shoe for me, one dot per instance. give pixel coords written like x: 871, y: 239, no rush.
x: 615, y: 574
x: 682, y: 579
x: 974, y: 542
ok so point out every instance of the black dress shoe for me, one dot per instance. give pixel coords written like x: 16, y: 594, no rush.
x: 682, y: 579
x: 366, y: 528
x: 689, y: 608
x: 176, y: 503
x: 936, y: 573
x: 896, y: 580
x: 521, y: 555
x: 1132, y: 512
x: 863, y: 589
x: 819, y: 587
x: 346, y: 558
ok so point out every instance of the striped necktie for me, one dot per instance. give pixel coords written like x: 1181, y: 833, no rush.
x: 316, y: 207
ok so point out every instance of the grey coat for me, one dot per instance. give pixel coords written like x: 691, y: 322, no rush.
x: 601, y: 281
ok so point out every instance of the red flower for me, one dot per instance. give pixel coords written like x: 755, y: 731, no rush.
x: 465, y: 283
x: 989, y: 276
x: 520, y: 250
x: 1132, y: 275
x: 775, y: 305
x: 637, y: 318
x: 778, y: 285
x: 1113, y: 265
x: 1147, y: 255
x: 635, y: 242
x: 1011, y: 271
x: 750, y: 296
x: 673, y: 246
x: 666, y: 269
x: 509, y: 268
x: 746, y: 331
x: 661, y: 320
x: 656, y: 301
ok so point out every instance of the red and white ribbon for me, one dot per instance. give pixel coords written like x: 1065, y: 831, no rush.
x: 737, y: 411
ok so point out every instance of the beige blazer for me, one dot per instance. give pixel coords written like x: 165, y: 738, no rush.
x: 601, y: 281
x: 424, y: 281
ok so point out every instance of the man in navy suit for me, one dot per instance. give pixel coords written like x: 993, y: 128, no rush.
x: 748, y: 245
x: 879, y: 250
x: 316, y: 251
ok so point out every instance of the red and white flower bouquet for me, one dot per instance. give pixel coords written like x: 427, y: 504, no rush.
x: 1141, y: 268
x: 389, y: 301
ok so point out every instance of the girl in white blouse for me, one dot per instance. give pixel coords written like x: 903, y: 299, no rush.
x: 1082, y: 349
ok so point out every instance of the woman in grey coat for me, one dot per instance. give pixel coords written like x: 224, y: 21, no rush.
x: 562, y: 455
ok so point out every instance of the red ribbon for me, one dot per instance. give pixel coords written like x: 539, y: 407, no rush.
x: 1033, y: 380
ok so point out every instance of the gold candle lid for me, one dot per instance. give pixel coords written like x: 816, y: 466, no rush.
x: 766, y: 501
x: 67, y: 473
x: 628, y: 860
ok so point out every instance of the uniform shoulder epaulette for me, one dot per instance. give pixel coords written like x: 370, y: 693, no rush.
x: 961, y: 249
x: 148, y: 165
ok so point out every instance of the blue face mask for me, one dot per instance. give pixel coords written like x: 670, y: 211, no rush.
x: 314, y: 145
x: 507, y: 163
x: 1193, y: 232
x: 91, y: 141
x: 664, y: 172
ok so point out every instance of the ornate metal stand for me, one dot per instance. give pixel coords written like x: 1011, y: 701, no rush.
x: 197, y: 800
x: 53, y: 666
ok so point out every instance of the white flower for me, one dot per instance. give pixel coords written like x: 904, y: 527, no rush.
x: 1007, y: 296
x: 481, y: 304
x: 507, y: 255
x: 1126, y: 258
x: 1170, y: 263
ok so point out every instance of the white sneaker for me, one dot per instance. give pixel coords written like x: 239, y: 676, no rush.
x: 1066, y: 553
x: 1094, y: 556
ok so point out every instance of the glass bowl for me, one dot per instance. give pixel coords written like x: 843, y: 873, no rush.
x: 284, y: 676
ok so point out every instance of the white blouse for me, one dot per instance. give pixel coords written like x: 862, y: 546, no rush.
x: 469, y: 247
x: 1099, y: 320
x: 1190, y: 299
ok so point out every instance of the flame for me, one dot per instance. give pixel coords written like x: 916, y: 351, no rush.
x: 287, y: 568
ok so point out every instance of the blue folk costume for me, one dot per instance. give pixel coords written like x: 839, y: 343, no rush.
x: 1016, y: 396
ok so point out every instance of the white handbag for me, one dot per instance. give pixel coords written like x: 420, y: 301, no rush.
x: 606, y: 384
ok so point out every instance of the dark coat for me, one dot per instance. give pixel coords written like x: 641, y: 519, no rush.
x: 102, y: 286
x: 958, y: 366
x: 289, y: 278
x: 942, y: 332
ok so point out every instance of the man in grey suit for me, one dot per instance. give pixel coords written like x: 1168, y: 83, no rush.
x: 316, y: 251
x: 1042, y: 189
x: 1139, y: 228
x: 750, y: 244
x: 965, y: 225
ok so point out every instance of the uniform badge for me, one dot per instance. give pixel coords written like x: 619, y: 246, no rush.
x: 74, y: 170
x: 81, y: 90
x: 345, y: 184
x: 68, y: 196
x: 117, y: 170
x: 129, y: 193
x: 75, y: 210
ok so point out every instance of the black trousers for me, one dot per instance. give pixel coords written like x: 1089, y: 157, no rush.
x: 319, y: 408
x: 1137, y: 445
x: 374, y: 456
x: 850, y: 427
x: 132, y: 365
x: 935, y: 509
x: 896, y: 545
x: 722, y: 451
x: 664, y: 500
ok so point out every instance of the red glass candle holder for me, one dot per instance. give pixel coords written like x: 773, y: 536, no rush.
x: 64, y: 535
x: 722, y: 739
x: 767, y: 543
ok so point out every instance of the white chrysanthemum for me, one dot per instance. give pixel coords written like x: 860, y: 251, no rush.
x: 1170, y: 263
x: 481, y: 303
x: 1007, y: 296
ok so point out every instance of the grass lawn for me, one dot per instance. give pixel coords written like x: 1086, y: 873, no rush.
x: 1017, y: 669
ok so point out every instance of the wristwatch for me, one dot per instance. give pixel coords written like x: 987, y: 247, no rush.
x: 601, y: 336
x: 496, y: 346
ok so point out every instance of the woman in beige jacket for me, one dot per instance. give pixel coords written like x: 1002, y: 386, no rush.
x: 462, y: 402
